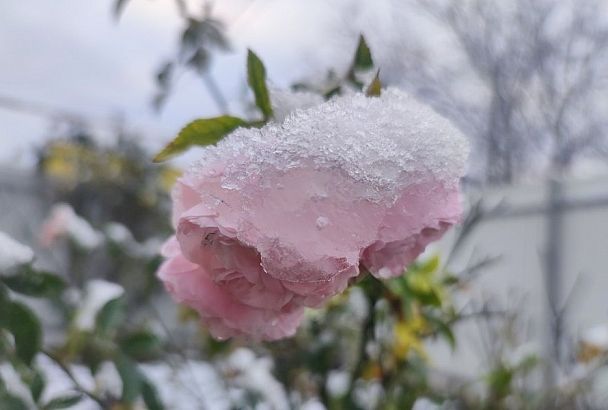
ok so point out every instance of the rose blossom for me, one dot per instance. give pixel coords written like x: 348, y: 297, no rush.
x: 273, y: 220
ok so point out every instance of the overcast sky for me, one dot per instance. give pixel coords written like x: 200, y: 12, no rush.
x: 73, y: 55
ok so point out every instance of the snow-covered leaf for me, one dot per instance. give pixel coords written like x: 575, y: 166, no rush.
x: 141, y: 344
x: 13, y: 253
x: 151, y: 396
x: 34, y: 283
x: 63, y: 402
x: 25, y: 328
x: 110, y: 316
x: 131, y: 378
x: 12, y: 402
x: 98, y: 293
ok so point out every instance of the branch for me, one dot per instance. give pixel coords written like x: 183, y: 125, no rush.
x: 102, y: 403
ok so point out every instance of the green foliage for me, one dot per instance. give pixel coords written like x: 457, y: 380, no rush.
x: 499, y: 381
x: 200, y: 132
x: 208, y: 131
x: 30, y: 282
x: 140, y: 345
x: 356, y: 76
x: 36, y: 385
x: 111, y: 183
x: 256, y: 78
x: 24, y: 325
x: 150, y: 395
x: 110, y: 316
x: 63, y: 402
x: 11, y: 402
x: 363, y: 56
x: 362, y: 62
x: 135, y: 384
x: 375, y: 88
x: 421, y: 283
x: 131, y: 378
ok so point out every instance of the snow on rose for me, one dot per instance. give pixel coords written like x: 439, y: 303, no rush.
x: 273, y: 220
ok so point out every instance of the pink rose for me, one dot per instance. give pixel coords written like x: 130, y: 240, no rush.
x: 273, y: 220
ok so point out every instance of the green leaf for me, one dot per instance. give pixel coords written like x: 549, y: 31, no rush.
x: 4, y: 299
x: 36, y: 385
x: 430, y: 266
x: 11, y: 402
x: 444, y: 330
x: 375, y: 88
x: 131, y: 378
x: 500, y: 381
x: 200, y: 132
x: 33, y: 283
x: 151, y: 396
x: 450, y: 280
x: 140, y: 345
x: 361, y: 62
x: 363, y: 56
x: 256, y: 77
x: 423, y: 288
x: 110, y: 316
x: 25, y: 327
x: 63, y: 402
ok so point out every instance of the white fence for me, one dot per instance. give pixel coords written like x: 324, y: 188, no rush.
x: 517, y: 232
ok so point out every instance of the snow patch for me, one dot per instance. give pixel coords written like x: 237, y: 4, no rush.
x: 98, y: 293
x: 13, y: 253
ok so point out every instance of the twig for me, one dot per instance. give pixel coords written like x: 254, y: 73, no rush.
x: 75, y: 381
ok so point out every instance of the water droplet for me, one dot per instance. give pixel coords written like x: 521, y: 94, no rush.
x: 322, y: 222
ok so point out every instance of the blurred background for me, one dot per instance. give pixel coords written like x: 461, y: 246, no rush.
x: 507, y: 311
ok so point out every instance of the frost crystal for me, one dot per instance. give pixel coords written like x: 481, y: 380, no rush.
x: 386, y: 143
